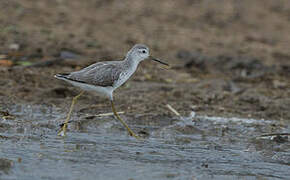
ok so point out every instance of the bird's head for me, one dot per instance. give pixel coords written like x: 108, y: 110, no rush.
x: 140, y: 52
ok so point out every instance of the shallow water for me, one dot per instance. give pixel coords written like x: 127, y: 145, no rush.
x: 197, y: 147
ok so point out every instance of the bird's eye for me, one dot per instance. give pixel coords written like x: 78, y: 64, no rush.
x: 144, y: 51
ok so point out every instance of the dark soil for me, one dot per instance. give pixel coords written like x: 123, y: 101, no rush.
x: 229, y: 58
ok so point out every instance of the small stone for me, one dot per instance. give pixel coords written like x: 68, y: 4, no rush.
x: 68, y: 55
x: 279, y: 84
x: 14, y: 47
x: 5, y: 165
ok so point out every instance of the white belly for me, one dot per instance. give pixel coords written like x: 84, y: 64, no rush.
x: 106, y: 91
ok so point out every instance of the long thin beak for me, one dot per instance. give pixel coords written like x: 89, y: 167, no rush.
x: 157, y: 60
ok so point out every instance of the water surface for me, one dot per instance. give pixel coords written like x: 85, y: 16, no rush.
x: 182, y: 148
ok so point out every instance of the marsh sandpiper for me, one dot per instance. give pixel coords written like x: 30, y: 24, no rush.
x: 105, y: 77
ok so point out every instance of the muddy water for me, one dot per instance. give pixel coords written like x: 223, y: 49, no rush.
x: 196, y: 147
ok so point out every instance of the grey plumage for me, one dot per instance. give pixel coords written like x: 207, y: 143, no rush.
x: 109, y: 73
x: 99, y: 74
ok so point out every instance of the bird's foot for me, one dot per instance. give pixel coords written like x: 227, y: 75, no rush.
x: 62, y: 131
x: 131, y: 133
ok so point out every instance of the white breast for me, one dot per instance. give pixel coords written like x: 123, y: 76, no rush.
x: 124, y: 76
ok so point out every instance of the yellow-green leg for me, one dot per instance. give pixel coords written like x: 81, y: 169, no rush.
x: 124, y: 124
x: 62, y: 131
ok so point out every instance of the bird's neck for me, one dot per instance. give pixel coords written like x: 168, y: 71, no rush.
x: 131, y: 63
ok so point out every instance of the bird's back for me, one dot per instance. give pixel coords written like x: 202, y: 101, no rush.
x: 99, y: 74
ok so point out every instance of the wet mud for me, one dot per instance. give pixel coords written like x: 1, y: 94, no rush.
x: 228, y: 88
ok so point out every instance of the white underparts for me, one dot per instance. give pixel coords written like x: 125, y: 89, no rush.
x: 106, y: 91
x: 125, y: 75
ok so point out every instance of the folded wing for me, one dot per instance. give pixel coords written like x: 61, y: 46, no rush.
x: 99, y: 74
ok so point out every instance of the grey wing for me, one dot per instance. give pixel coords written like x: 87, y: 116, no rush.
x: 99, y: 74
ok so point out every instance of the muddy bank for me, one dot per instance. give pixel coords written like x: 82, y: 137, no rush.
x: 233, y: 63
x: 243, y: 84
x: 229, y: 81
